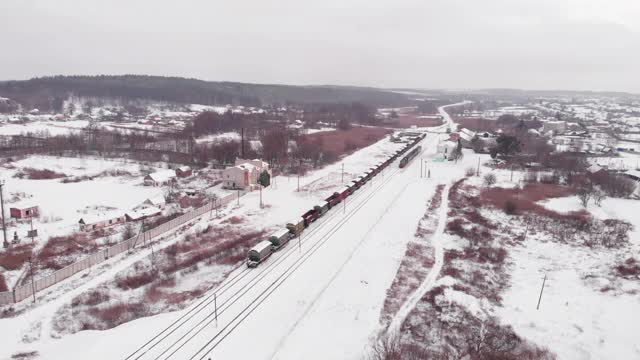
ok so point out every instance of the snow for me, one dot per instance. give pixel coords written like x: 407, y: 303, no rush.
x: 321, y: 296
x: 218, y: 138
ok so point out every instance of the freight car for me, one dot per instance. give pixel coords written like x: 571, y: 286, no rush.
x: 279, y: 239
x: 259, y: 253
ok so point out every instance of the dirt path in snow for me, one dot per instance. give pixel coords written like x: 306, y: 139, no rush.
x: 429, y: 281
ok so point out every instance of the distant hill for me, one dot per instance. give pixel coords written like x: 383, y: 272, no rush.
x: 48, y: 93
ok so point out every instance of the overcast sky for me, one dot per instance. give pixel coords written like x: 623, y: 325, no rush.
x: 531, y: 44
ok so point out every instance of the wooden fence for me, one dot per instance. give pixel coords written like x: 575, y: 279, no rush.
x: 21, y: 292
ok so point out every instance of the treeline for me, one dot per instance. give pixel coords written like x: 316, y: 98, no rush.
x: 48, y: 93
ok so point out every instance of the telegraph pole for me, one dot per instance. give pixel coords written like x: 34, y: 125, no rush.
x: 478, y: 171
x: 541, y: 289
x: 260, y: 195
x: 5, y: 243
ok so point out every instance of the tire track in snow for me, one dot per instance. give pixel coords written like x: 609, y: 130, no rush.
x: 429, y: 281
x: 335, y: 275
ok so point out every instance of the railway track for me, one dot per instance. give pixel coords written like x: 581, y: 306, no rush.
x: 174, y: 338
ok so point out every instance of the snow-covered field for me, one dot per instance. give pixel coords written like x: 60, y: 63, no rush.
x: 586, y: 311
x: 51, y: 128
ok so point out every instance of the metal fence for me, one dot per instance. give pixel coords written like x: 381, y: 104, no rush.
x: 21, y: 292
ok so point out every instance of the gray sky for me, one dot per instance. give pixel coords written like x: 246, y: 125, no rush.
x: 531, y: 44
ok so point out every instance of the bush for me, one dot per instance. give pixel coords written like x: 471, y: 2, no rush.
x: 3, y: 283
x: 38, y: 174
x: 14, y: 257
x: 510, y: 207
x: 56, y: 252
x: 490, y: 179
x: 631, y: 267
x: 116, y: 314
x: 137, y: 280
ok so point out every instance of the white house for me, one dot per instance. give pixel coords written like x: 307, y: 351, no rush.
x: 244, y: 175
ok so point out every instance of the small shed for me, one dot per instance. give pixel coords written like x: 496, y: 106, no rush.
x: 24, y: 211
x: 157, y: 201
x: 184, y: 171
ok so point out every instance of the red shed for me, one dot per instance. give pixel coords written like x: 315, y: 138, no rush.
x: 24, y: 211
x: 184, y: 171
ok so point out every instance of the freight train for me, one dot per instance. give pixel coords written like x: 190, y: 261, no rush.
x: 276, y: 241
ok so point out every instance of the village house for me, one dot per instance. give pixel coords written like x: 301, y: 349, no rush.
x: 24, y: 210
x: 184, y: 171
x: 160, y: 178
x: 244, y: 175
x: 99, y: 221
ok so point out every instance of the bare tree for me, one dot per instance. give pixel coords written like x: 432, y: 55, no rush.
x: 598, y: 196
x: 585, y: 192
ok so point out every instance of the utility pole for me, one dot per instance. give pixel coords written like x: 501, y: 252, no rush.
x: 478, y: 171
x: 299, y: 171
x: 342, y: 178
x: 215, y: 306
x: 541, y: 289
x: 31, y: 234
x: 421, y: 161
x: 261, y: 196
x: 511, y: 172
x: 33, y: 286
x: 238, y: 199
x: 5, y: 243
